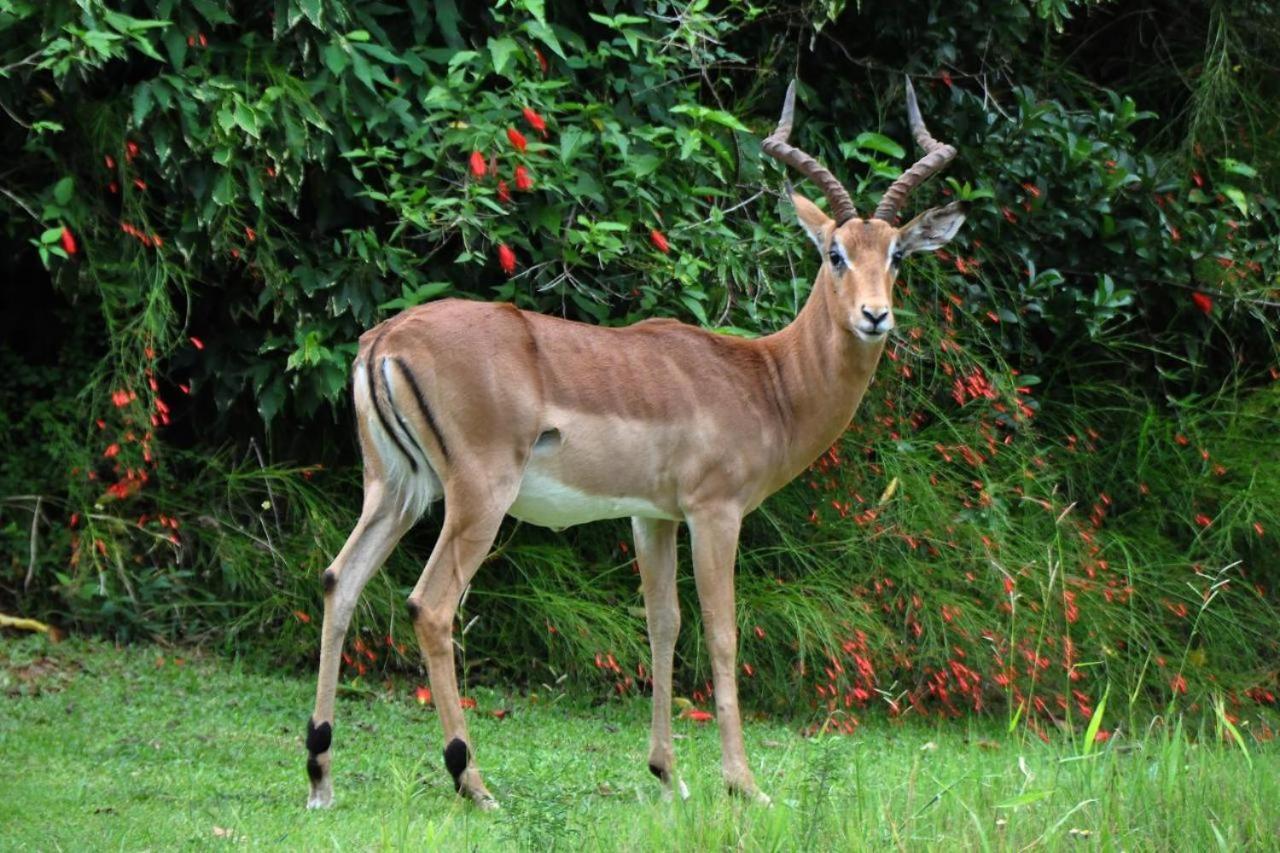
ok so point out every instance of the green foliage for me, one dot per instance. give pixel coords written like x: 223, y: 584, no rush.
x: 222, y: 202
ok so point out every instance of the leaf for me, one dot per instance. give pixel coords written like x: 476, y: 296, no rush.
x: 1025, y: 799
x: 878, y: 142
x: 1095, y: 722
x: 246, y: 119
x: 571, y: 140
x: 142, y: 104
x: 62, y: 190
x: 695, y: 308
x: 502, y: 50
x: 1238, y: 198
x: 358, y: 35
x: 1238, y: 168
x: 447, y: 18
x: 701, y: 113
x: 335, y: 58
x: 224, y: 193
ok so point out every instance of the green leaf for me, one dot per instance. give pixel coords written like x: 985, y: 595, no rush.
x: 51, y: 235
x: 335, y: 58
x: 571, y: 141
x: 62, y: 190
x: 878, y: 142
x: 142, y: 104
x: 1026, y: 799
x: 1095, y: 722
x: 1237, y: 197
x: 502, y: 50
x: 224, y: 193
x: 246, y: 119
x: 358, y: 35
x: 701, y: 113
x: 1237, y: 168
x: 695, y: 308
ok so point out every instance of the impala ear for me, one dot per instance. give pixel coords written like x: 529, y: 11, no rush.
x: 816, y: 223
x: 932, y: 229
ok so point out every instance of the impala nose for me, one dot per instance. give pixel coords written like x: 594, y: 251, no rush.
x: 875, y: 320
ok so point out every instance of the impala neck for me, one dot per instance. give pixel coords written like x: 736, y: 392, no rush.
x: 824, y: 370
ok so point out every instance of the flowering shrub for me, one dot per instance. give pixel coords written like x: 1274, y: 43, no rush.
x: 1062, y: 478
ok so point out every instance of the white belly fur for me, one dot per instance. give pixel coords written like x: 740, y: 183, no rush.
x: 547, y: 502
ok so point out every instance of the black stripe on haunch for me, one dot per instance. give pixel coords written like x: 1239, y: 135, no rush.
x: 370, y: 368
x: 422, y: 405
x: 386, y: 382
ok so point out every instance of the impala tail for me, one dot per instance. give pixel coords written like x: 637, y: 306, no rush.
x: 399, y: 437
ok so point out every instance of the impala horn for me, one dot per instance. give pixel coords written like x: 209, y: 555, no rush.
x: 936, y: 156
x: 775, y: 145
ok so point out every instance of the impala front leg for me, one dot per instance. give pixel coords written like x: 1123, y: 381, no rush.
x: 714, y: 532
x: 656, y: 553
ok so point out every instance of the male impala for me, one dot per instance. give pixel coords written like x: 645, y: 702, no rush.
x: 506, y: 412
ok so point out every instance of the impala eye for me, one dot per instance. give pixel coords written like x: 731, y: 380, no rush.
x: 896, y: 257
x: 836, y: 259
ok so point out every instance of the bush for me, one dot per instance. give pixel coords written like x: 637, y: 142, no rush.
x: 214, y: 205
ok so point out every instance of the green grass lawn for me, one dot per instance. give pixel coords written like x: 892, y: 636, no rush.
x: 104, y: 748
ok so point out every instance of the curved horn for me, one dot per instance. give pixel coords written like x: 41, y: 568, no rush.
x: 936, y: 156
x: 775, y: 145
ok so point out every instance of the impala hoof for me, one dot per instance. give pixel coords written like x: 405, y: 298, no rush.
x: 485, y: 802
x: 671, y: 792
x: 751, y: 794
x: 321, y: 796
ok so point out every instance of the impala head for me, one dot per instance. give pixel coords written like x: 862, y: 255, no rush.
x: 861, y: 257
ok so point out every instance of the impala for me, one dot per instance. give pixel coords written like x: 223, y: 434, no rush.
x: 505, y: 412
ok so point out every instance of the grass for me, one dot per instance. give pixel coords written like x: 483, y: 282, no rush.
x: 124, y: 748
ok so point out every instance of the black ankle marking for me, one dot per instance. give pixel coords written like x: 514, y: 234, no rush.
x: 456, y: 756
x: 314, y: 771
x: 659, y: 772
x: 318, y: 737
x: 330, y: 580
x: 413, y: 609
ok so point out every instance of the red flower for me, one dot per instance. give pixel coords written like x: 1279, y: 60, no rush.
x: 542, y: 60
x: 535, y: 121
x: 1203, y: 520
x: 1258, y: 529
x: 130, y: 150
x: 250, y: 234
x: 109, y: 161
x: 946, y: 78
x: 1179, y: 684
x: 517, y: 139
x: 467, y: 702
x: 196, y: 342
x: 301, y: 617
x: 697, y: 716
x: 477, y: 165
x: 1102, y: 736
x: 112, y: 451
x: 506, y: 258
x: 524, y: 183
x: 504, y: 193
x: 68, y: 241
x: 659, y: 241
x: 423, y: 695
x: 1203, y: 301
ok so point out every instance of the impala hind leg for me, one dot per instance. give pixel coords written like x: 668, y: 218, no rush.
x: 380, y: 527
x: 656, y: 553
x: 471, y: 520
x: 714, y: 535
